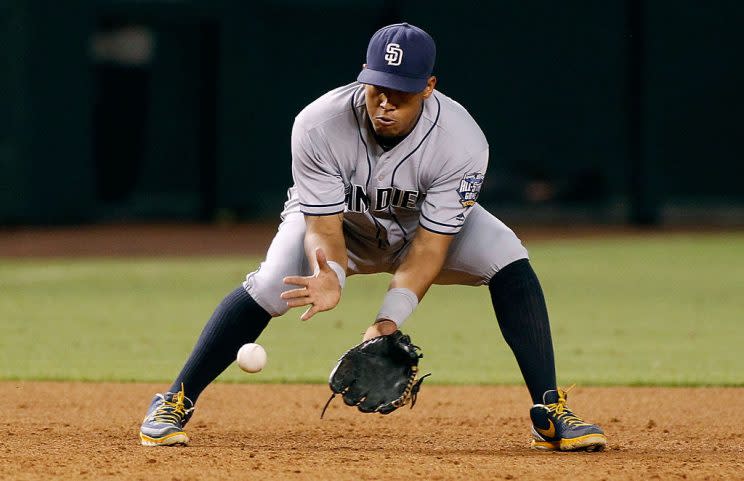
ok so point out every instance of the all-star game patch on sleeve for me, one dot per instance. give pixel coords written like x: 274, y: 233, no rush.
x: 452, y: 194
x: 320, y: 187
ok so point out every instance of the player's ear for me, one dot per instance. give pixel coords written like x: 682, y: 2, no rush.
x: 430, y: 84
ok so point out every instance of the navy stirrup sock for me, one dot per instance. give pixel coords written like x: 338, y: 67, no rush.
x: 523, y: 318
x: 237, y: 320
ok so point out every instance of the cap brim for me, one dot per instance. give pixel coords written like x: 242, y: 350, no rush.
x: 392, y: 81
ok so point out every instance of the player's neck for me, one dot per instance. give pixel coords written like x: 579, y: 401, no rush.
x: 388, y: 143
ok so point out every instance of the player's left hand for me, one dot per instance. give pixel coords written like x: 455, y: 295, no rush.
x: 383, y: 327
x: 378, y: 375
x: 321, y: 291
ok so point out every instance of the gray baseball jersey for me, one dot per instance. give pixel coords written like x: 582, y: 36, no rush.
x: 431, y: 178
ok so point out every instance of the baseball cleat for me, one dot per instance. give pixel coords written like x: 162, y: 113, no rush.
x: 557, y: 428
x: 167, y: 415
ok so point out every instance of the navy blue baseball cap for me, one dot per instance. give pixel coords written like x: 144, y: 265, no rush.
x: 399, y: 57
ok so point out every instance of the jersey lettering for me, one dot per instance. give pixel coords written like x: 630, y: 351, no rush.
x: 394, y: 197
x: 409, y: 199
x: 383, y: 198
x: 357, y: 199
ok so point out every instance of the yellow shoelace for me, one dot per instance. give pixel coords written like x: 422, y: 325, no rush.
x: 562, y: 412
x: 171, y: 411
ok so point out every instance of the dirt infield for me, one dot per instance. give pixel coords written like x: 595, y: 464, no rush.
x: 272, y: 432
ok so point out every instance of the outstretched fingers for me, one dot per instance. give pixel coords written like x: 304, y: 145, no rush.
x: 321, y: 290
x: 297, y: 297
x: 297, y: 280
x: 310, y: 312
x: 302, y: 301
x: 295, y: 293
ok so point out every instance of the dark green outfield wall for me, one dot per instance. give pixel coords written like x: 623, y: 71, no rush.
x: 618, y: 105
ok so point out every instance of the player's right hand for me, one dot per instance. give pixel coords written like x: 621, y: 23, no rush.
x: 321, y: 291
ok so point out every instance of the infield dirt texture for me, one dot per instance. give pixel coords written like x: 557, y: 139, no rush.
x: 72, y: 430
x: 273, y: 432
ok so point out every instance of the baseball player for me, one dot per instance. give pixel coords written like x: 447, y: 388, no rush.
x: 387, y: 172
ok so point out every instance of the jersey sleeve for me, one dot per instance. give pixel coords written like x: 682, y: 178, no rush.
x: 319, y: 183
x: 452, y: 194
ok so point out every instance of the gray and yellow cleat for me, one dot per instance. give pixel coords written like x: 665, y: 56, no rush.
x: 556, y: 428
x: 165, y: 419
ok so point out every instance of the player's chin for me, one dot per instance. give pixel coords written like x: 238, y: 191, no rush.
x: 387, y: 131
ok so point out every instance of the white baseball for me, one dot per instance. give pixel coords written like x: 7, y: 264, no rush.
x: 251, y: 357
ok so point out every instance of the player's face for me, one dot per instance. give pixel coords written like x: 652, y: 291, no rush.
x: 394, y: 113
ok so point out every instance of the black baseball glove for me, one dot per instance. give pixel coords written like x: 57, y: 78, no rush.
x: 378, y: 375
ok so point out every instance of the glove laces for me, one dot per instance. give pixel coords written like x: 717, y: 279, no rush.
x: 562, y: 412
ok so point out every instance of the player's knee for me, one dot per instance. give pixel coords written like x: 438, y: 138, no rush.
x: 509, y: 250
x: 490, y: 243
x: 266, y: 286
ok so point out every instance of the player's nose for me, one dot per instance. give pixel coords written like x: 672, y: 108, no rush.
x: 385, y: 103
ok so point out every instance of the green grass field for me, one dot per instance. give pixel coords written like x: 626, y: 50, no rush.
x: 632, y: 311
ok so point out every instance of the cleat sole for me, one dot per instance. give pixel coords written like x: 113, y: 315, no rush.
x: 545, y: 445
x: 169, y: 440
x: 589, y: 443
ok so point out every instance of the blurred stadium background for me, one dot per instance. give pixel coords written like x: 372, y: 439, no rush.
x: 133, y: 132
x: 611, y: 112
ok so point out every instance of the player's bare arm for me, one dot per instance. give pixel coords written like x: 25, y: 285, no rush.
x: 416, y: 273
x: 324, y: 243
